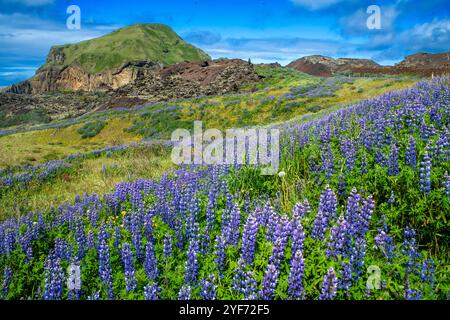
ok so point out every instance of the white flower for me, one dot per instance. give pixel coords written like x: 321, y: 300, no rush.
x: 281, y: 174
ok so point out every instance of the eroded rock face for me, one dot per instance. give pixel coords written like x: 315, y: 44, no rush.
x: 133, y: 84
x: 426, y: 60
x: 73, y: 78
x: 326, y: 67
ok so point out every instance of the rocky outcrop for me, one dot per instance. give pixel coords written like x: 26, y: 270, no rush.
x: 326, y: 67
x: 147, y: 83
x: 73, y: 78
x: 192, y: 79
x: 426, y: 61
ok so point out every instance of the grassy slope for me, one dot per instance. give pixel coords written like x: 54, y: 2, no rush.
x: 99, y: 175
x: 153, y: 42
x: 39, y: 146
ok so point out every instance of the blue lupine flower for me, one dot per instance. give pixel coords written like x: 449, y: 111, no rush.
x: 329, y: 285
x: 7, y: 277
x: 411, y: 156
x: 425, y: 174
x: 128, y: 263
x: 249, y: 239
x: 54, y: 277
x: 295, y: 280
x: 105, y: 271
x: 192, y: 263
x: 152, y: 291
x: 269, y: 283
x: 150, y: 264
x: 337, y: 241
x: 393, y: 161
x: 185, y: 293
x: 167, y: 250
x: 208, y: 288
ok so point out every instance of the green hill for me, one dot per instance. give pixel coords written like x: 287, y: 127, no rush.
x: 154, y: 42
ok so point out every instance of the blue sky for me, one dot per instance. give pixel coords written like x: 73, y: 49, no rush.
x: 263, y: 30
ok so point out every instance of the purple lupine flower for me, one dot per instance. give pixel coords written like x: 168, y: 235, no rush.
x: 364, y: 164
x: 81, y: 239
x: 94, y: 296
x: 329, y: 285
x: 54, y: 277
x: 320, y: 224
x: 185, y: 293
x: 249, y: 239
x: 208, y: 288
x: 272, y: 224
x: 385, y: 243
x: 300, y: 211
x: 167, y: 250
x: 295, y: 280
x: 249, y: 286
x: 327, y: 161
x: 328, y: 204
x: 411, y: 156
x: 62, y: 249
x: 74, y: 281
x: 337, y: 241
x: 192, y: 263
x: 91, y: 240
x: 105, y: 271
x: 150, y: 264
x: 234, y: 226
x: 425, y: 174
x: 220, y: 253
x: 346, y: 279
x: 357, y: 256
x: 409, y: 248
x: 446, y: 184
x: 152, y: 291
x: 427, y: 272
x: 298, y: 238
x: 361, y: 225
x: 348, y: 151
x: 277, y: 252
x: 410, y: 294
x: 117, y: 237
x: 393, y: 161
x: 269, y: 283
x: 128, y: 263
x: 7, y: 277
x: 352, y: 211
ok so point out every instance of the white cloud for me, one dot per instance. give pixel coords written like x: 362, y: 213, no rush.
x: 31, y: 3
x: 316, y: 4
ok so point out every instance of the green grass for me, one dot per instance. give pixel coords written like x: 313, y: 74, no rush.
x: 94, y: 174
x: 154, y: 42
x: 91, y: 129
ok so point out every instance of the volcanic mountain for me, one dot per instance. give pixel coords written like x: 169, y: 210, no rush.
x: 110, y: 61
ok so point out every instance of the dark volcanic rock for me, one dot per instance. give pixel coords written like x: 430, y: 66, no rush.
x: 326, y: 67
x: 191, y: 79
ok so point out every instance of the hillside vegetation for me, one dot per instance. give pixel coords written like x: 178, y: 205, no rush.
x: 153, y: 42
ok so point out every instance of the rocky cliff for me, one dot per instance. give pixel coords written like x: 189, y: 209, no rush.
x: 326, y: 67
